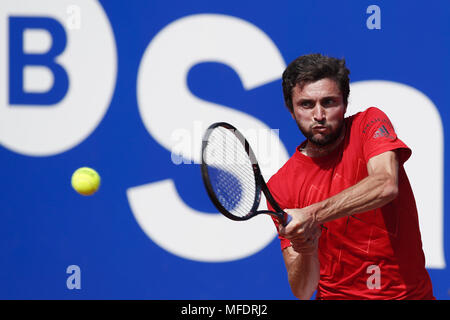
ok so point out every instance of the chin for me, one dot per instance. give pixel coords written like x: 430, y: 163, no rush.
x: 320, y: 143
x: 323, y: 141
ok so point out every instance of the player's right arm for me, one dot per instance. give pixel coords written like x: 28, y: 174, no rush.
x: 302, y: 265
x: 300, y: 255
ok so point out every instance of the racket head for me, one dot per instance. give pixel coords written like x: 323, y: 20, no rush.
x: 230, y: 172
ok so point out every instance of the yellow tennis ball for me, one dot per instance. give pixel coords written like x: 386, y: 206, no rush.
x: 85, y: 181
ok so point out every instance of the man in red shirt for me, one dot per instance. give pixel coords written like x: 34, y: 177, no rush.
x: 354, y: 232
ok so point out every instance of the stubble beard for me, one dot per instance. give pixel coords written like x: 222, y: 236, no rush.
x: 323, y: 141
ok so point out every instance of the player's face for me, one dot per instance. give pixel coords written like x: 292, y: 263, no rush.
x: 318, y: 109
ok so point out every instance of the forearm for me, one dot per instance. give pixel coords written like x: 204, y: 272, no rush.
x: 303, y: 272
x: 370, y: 193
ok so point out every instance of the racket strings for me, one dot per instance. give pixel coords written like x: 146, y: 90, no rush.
x: 230, y: 172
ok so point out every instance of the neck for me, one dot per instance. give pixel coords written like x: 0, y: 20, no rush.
x: 313, y: 150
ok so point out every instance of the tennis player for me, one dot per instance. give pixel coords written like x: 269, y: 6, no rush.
x: 354, y: 232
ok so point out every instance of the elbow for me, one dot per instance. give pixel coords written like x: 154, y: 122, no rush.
x: 303, y: 293
x: 306, y: 290
x: 390, y: 190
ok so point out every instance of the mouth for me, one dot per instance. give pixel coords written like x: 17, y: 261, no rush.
x: 320, y: 128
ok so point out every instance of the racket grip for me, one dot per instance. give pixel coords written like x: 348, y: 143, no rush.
x: 288, y: 219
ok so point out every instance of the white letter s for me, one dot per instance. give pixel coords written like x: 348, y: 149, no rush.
x: 166, y: 105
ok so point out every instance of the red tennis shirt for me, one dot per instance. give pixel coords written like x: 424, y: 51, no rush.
x: 370, y: 255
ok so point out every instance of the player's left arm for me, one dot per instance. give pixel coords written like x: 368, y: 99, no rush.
x: 376, y: 190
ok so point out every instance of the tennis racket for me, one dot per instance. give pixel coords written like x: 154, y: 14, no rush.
x: 232, y: 176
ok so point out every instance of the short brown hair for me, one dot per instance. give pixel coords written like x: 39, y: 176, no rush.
x: 311, y: 68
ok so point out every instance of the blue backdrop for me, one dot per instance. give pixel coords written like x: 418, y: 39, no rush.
x: 80, y: 88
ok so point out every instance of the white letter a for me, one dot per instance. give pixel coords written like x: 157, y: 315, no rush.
x: 374, y: 281
x: 74, y: 281
x: 374, y: 21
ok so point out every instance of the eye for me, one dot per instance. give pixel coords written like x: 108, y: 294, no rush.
x: 306, y: 104
x: 328, y: 102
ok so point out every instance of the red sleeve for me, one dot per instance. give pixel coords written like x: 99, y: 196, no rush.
x: 275, y: 190
x: 379, y: 136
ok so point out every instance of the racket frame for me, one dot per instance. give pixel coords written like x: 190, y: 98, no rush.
x: 260, y: 184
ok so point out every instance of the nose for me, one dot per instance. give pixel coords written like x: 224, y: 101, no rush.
x: 319, y: 113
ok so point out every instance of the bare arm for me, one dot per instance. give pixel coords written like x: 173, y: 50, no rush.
x: 303, y: 269
x: 376, y: 190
